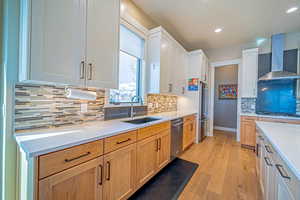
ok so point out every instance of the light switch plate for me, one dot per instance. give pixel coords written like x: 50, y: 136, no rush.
x: 83, y: 107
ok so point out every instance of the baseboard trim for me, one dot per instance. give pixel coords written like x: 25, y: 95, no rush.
x: 221, y: 128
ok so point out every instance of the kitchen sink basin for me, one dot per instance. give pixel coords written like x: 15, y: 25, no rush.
x: 142, y: 120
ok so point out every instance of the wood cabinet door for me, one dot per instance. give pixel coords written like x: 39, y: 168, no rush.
x: 103, y: 21
x: 81, y: 182
x: 186, y: 135
x: 147, y: 152
x: 189, y: 134
x: 164, y: 147
x: 248, y: 133
x: 193, y: 132
x: 120, y: 173
x: 57, y: 47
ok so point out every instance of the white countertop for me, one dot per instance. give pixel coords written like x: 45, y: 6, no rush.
x: 270, y: 116
x: 285, y: 138
x: 38, y: 142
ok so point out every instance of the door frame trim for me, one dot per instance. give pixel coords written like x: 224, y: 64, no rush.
x: 212, y: 66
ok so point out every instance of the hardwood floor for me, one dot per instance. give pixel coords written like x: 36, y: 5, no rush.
x: 226, y: 171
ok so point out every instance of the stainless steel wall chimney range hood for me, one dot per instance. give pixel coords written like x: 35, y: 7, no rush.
x: 277, y: 71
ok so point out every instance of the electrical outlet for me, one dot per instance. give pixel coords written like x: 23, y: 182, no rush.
x: 83, y: 107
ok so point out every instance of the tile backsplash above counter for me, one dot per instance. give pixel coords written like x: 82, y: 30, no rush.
x: 46, y: 106
x: 158, y: 103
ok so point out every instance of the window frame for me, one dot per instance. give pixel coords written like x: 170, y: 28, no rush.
x: 134, y: 26
x: 138, y: 80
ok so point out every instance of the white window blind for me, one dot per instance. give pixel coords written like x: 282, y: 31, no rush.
x: 131, y: 43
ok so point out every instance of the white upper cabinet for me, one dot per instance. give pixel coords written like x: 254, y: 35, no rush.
x: 166, y: 64
x: 198, y: 65
x: 249, y: 73
x: 71, y: 42
x: 57, y: 45
x: 103, y: 22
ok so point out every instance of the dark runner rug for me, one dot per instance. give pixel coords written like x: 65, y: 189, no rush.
x: 168, y: 183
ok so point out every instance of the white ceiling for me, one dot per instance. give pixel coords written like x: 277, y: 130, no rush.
x: 192, y: 22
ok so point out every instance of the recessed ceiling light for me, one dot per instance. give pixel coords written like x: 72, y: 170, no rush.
x: 123, y: 7
x: 293, y: 9
x: 218, y: 30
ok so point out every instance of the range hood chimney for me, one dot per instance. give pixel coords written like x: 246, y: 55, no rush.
x: 277, y: 71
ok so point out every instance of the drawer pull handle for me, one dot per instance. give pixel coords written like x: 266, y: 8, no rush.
x: 101, y: 174
x: 157, y: 145
x: 82, y: 70
x: 282, y: 172
x: 90, y: 71
x: 268, y: 149
x: 261, y: 137
x: 81, y: 156
x: 120, y: 142
x: 108, y: 170
x: 268, y: 162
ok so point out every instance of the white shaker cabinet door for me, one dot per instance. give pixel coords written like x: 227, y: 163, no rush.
x: 249, y: 73
x: 57, y: 45
x: 103, y: 21
x: 166, y: 61
x: 282, y: 191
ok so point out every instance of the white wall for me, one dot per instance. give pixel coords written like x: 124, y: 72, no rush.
x: 292, y: 41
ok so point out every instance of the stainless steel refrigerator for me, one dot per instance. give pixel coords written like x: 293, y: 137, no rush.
x: 203, y: 111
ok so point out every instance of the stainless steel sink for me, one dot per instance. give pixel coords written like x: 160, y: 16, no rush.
x: 142, y: 120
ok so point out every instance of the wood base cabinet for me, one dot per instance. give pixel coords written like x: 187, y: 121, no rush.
x: 248, y: 128
x: 189, y: 131
x: 164, y: 149
x: 153, y: 154
x: 248, y: 132
x: 81, y: 182
x: 110, y: 169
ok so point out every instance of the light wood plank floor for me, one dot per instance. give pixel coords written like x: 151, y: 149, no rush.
x: 226, y: 171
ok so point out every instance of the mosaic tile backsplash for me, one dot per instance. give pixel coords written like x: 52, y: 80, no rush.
x: 248, y: 105
x: 45, y: 106
x: 158, y: 103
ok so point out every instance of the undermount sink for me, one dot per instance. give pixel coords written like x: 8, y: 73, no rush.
x: 142, y: 120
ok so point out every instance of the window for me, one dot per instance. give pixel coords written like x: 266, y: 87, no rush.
x: 130, y: 62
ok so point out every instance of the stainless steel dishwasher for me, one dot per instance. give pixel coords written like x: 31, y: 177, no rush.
x: 176, y: 137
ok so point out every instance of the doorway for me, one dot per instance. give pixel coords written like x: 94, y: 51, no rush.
x: 218, y: 112
x: 225, y: 98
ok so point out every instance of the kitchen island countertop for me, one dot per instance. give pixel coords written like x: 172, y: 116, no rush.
x: 285, y: 138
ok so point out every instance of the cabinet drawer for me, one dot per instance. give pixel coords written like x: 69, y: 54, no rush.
x: 152, y: 130
x: 58, y: 161
x: 248, y: 118
x: 189, y: 118
x: 115, y: 142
